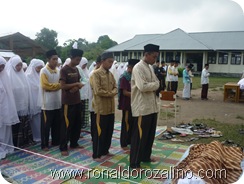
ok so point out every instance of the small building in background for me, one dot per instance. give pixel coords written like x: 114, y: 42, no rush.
x: 224, y: 51
x: 19, y: 44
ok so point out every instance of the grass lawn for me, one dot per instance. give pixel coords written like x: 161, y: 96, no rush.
x: 214, y: 82
x: 229, y: 131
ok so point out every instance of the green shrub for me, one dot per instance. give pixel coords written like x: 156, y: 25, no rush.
x: 180, y: 71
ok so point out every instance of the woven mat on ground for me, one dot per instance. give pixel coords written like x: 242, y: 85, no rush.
x: 27, y: 168
x: 116, y: 169
x: 24, y: 167
x: 218, y: 164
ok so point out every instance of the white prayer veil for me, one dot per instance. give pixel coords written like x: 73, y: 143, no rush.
x: 19, y: 84
x: 121, y: 69
x: 92, y: 66
x: 67, y: 61
x: 8, y: 112
x: 114, y: 71
x: 33, y: 79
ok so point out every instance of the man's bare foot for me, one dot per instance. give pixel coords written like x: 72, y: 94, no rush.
x: 77, y: 147
x: 45, y: 149
x: 64, y: 153
x: 125, y: 148
x: 98, y: 159
x: 110, y: 154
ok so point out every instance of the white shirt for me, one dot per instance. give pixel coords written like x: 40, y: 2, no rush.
x: 175, y: 71
x: 144, y: 83
x: 204, y: 76
x: 170, y: 75
x: 50, y: 100
x: 241, y: 83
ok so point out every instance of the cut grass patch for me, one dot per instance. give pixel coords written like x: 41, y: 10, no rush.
x: 214, y: 82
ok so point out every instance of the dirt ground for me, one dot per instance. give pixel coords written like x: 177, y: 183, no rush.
x: 214, y: 108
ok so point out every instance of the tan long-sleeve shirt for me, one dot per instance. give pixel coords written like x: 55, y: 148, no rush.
x: 104, y: 90
x: 144, y: 83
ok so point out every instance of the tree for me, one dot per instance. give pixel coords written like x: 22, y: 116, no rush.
x: 47, y: 38
x: 105, y: 42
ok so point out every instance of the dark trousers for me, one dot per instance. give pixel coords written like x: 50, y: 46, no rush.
x: 204, y: 94
x: 162, y: 86
x: 50, y: 119
x: 174, y: 86
x: 93, y: 123
x: 103, y: 135
x: 70, y: 126
x: 126, y: 128
x: 143, y: 134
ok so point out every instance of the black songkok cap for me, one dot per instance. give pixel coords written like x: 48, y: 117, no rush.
x: 151, y: 48
x: 132, y: 62
x: 76, y: 53
x: 106, y: 55
x: 206, y: 64
x: 51, y: 53
x: 189, y: 66
x: 98, y: 59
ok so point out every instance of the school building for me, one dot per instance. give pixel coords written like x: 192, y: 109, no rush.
x: 224, y: 51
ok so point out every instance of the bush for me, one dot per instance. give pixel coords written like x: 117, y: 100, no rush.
x: 180, y: 71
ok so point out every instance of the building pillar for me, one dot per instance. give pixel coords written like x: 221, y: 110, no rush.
x: 181, y: 59
x: 133, y: 55
x: 204, y: 59
x: 160, y: 56
x: 120, y: 57
x: 165, y: 56
x: 229, y: 61
x: 184, y: 58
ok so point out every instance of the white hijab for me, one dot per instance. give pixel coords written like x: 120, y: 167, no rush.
x: 67, y: 61
x: 84, y: 79
x: 92, y: 66
x: 114, y: 71
x: 19, y: 84
x: 8, y: 112
x: 84, y: 61
x: 24, y: 65
x: 34, y: 81
x: 121, y: 69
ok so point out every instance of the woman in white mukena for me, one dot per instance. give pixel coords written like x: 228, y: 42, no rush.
x: 8, y: 113
x: 22, y: 134
x: 33, y: 78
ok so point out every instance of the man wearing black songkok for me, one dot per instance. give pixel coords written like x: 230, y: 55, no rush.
x: 104, y: 90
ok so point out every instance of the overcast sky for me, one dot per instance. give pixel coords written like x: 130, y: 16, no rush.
x: 121, y: 20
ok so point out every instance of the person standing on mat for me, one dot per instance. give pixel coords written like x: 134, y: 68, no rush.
x: 124, y: 97
x: 71, y: 106
x: 104, y: 90
x: 144, y: 84
x: 50, y: 101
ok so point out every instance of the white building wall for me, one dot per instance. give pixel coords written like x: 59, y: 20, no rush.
x: 226, y: 68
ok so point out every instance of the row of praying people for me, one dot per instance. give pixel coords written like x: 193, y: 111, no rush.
x: 47, y: 98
